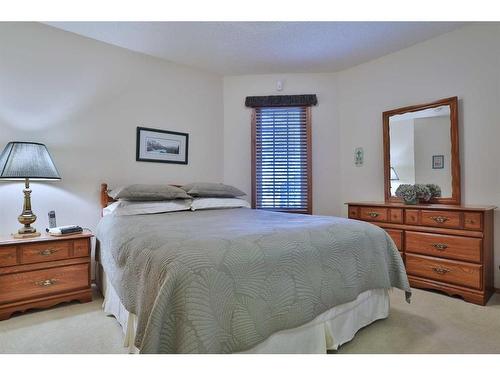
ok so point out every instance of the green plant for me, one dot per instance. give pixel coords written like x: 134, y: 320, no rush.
x: 407, y: 192
x: 435, y: 190
x: 423, y: 192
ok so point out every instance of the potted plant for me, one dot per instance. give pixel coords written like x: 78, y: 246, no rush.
x: 408, y: 193
x: 412, y: 194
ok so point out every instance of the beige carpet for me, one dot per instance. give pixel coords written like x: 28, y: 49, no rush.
x: 432, y: 323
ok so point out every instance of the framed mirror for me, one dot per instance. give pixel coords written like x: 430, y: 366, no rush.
x: 421, y: 147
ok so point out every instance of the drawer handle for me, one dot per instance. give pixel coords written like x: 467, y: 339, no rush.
x: 440, y: 246
x: 47, y: 252
x: 47, y: 282
x: 441, y: 271
x: 373, y: 214
x: 440, y: 219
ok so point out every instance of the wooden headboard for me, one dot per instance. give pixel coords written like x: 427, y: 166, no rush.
x: 106, y: 200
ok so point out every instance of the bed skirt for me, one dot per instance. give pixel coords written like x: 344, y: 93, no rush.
x: 327, y: 331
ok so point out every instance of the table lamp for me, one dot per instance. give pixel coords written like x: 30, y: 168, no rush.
x: 25, y: 161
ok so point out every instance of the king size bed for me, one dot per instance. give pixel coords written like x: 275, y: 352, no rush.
x: 238, y: 280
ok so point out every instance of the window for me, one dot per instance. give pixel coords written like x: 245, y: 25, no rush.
x: 281, y: 159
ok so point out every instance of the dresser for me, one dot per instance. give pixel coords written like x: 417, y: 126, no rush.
x: 43, y: 271
x: 444, y: 247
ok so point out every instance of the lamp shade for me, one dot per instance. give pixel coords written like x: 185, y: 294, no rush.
x: 394, y: 175
x: 32, y: 160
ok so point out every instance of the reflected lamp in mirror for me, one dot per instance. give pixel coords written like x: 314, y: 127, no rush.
x: 394, y: 175
x: 25, y: 161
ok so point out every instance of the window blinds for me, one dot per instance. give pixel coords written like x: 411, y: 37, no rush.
x: 282, y: 159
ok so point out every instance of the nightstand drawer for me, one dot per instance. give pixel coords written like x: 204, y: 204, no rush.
x: 81, y: 248
x: 45, y: 251
x: 8, y: 256
x: 33, y: 284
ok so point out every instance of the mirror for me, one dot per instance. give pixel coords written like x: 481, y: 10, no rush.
x: 421, y: 147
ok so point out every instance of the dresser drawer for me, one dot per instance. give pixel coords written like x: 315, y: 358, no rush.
x: 397, y: 237
x: 373, y: 213
x: 8, y: 256
x: 473, y: 220
x: 449, y: 271
x: 45, y: 251
x: 396, y: 215
x: 412, y: 217
x: 24, y: 285
x: 443, y: 219
x: 445, y: 246
x: 353, y: 212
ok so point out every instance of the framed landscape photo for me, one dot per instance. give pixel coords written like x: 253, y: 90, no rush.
x: 161, y: 146
x: 437, y: 161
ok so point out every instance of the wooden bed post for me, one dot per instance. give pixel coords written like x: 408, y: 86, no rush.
x: 104, y: 196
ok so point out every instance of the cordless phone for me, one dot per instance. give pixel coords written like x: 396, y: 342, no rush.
x: 52, y: 219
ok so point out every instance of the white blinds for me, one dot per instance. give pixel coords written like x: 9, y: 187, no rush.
x: 282, y: 165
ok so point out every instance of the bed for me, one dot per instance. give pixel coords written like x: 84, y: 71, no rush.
x: 239, y: 280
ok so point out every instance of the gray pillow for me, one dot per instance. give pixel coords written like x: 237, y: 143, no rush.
x: 210, y: 189
x: 145, y: 192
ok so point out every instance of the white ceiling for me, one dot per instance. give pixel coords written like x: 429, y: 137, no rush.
x: 230, y: 48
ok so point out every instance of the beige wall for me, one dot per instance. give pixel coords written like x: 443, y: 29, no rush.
x: 464, y: 62
x: 84, y: 100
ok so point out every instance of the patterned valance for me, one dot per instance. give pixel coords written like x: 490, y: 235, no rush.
x: 281, y: 101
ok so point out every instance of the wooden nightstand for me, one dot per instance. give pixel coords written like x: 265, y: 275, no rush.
x: 44, y: 271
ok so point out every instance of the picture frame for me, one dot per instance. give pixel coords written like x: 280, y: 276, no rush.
x: 438, y: 162
x: 161, y: 146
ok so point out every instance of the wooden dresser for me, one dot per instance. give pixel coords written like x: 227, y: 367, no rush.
x: 444, y: 247
x: 43, y: 271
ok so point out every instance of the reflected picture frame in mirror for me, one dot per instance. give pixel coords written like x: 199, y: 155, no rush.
x: 455, y: 198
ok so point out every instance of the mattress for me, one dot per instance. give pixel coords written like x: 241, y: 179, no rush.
x: 328, y: 331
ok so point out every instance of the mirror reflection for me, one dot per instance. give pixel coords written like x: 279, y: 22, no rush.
x: 420, y: 149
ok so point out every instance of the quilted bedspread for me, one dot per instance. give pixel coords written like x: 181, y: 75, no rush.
x: 222, y: 281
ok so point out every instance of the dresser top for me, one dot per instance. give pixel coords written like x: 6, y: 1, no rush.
x: 8, y: 240
x: 448, y: 207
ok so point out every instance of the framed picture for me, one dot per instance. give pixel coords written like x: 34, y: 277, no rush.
x: 437, y: 161
x: 161, y: 146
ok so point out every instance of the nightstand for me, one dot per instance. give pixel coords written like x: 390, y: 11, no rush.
x: 44, y: 271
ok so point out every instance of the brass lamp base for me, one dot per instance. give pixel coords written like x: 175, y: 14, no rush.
x: 27, y: 217
x: 26, y: 235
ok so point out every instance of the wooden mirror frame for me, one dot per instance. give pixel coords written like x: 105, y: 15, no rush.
x: 455, y: 154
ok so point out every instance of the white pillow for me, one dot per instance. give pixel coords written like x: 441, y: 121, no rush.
x: 122, y: 208
x: 206, y: 203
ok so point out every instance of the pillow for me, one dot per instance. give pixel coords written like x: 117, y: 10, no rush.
x: 206, y: 203
x: 123, y: 208
x: 210, y: 189
x: 144, y: 192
